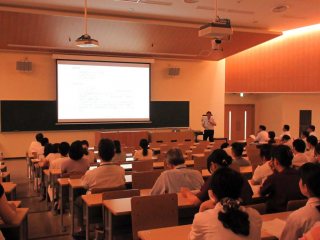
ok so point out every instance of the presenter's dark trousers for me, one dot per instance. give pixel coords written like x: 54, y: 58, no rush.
x: 208, y: 134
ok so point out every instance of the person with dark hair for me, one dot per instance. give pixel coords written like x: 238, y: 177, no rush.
x: 266, y: 169
x: 299, y: 147
x: 228, y: 219
x: 76, y: 163
x: 48, y: 149
x: 237, y: 150
x: 144, y: 153
x: 285, y: 131
x: 54, y: 153
x: 317, y: 153
x: 85, y: 146
x: 119, y: 156
x: 262, y: 135
x: 208, y: 124
x: 311, y: 129
x: 178, y: 175
x: 286, y: 140
x: 216, y: 160
x: 272, y: 136
x: 312, y: 142
x: 63, y: 150
x: 283, y: 185
x: 301, y: 220
x: 35, y: 146
x: 304, y: 136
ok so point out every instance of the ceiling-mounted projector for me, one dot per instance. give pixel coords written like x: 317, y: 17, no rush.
x: 86, y: 41
x: 220, y: 29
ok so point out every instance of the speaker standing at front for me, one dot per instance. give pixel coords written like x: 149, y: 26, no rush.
x: 208, y: 124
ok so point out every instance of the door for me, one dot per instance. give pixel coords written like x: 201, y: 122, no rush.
x: 239, y: 121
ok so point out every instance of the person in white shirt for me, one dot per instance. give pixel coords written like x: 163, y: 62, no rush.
x: 237, y: 150
x: 208, y: 124
x: 144, y: 153
x: 312, y: 142
x: 299, y: 158
x: 285, y: 131
x: 178, y: 176
x: 106, y: 175
x: 311, y: 129
x: 54, y: 154
x: 262, y: 135
x: 228, y: 219
x: 35, y: 146
x: 63, y: 150
x: 301, y: 220
x: 266, y: 169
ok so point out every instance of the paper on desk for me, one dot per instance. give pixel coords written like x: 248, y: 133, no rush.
x: 274, y: 227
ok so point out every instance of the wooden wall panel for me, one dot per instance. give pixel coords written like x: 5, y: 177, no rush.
x: 290, y: 63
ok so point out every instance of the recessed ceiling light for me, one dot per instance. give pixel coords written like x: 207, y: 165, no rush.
x: 191, y: 1
x: 280, y: 8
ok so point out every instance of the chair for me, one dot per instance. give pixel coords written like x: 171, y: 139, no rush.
x: 200, y: 162
x: 260, y: 207
x: 120, y: 194
x: 102, y: 190
x: 254, y: 156
x: 296, y: 204
x: 150, y: 212
x: 145, y: 180
x: 142, y: 166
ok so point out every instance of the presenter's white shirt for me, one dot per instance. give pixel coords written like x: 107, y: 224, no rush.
x: 208, y: 124
x: 262, y: 137
x: 207, y: 226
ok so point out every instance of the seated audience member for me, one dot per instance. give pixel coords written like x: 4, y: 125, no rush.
x: 304, y: 136
x: 317, y: 153
x: 301, y: 220
x: 216, y: 160
x: 178, y: 175
x: 286, y: 140
x: 266, y: 169
x: 283, y: 185
x: 313, y: 233
x: 285, y: 131
x: 312, y: 142
x: 35, y: 146
x: 54, y: 153
x: 75, y: 163
x: 227, y: 219
x: 7, y: 210
x: 46, y: 146
x: 108, y: 174
x: 299, y: 148
x: 144, y: 153
x: 119, y: 156
x: 227, y: 148
x: 272, y: 136
x: 63, y: 150
x: 85, y: 146
x: 311, y: 129
x: 237, y: 150
x: 262, y: 135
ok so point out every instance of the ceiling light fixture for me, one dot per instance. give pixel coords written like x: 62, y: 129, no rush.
x: 85, y: 41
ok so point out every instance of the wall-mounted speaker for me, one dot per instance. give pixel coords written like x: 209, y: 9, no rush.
x: 24, y: 66
x: 173, y: 71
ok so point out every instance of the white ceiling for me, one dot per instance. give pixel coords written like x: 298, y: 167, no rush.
x: 243, y: 13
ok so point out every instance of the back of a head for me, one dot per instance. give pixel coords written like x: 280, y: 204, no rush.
x: 144, y: 144
x: 310, y: 176
x: 271, y: 134
x: 76, y: 151
x: 106, y: 149
x: 286, y: 127
x: 237, y: 149
x: 265, y: 152
x: 55, y: 147
x: 44, y: 141
x: 305, y: 134
x: 283, y: 154
x: 312, y: 128
x: 39, y: 137
x: 85, y: 143
x: 224, y: 145
x: 285, y: 138
x: 312, y: 140
x: 299, y: 145
x: 263, y: 127
x: 48, y: 148
x: 219, y: 157
x: 175, y: 157
x: 64, y: 148
x: 226, y: 185
x: 117, y: 146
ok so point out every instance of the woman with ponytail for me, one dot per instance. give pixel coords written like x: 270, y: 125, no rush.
x: 301, y: 220
x: 228, y: 219
x: 216, y: 160
x: 144, y: 153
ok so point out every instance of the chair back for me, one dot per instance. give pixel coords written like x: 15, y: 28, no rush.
x: 254, y: 156
x: 102, y: 190
x: 260, y: 207
x: 145, y: 180
x: 142, y: 166
x: 150, y: 212
x: 296, y: 204
x: 120, y: 194
x: 200, y: 163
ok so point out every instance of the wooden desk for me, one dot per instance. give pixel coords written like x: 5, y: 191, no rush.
x: 243, y: 170
x: 182, y: 232
x: 10, y: 190
x: 19, y: 228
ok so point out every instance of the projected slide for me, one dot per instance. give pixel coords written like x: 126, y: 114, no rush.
x: 102, y: 91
